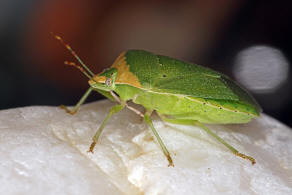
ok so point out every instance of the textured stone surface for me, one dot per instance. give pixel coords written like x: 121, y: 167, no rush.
x: 43, y: 150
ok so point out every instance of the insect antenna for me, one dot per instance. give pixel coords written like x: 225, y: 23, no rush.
x: 76, y: 56
x: 78, y: 67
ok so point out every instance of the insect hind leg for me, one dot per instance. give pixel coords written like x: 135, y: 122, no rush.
x: 207, y: 130
x: 232, y: 149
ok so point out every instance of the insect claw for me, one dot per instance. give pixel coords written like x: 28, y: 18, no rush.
x: 170, y: 162
x: 251, y: 159
x: 72, y: 112
x: 92, y: 147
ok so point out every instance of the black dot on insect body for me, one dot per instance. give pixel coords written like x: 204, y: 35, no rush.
x: 164, y: 75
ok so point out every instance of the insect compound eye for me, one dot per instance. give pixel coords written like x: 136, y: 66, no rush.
x: 108, y: 82
x: 164, y: 76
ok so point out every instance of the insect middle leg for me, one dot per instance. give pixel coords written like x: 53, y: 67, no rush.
x: 113, y: 110
x: 207, y: 130
x: 80, y: 102
x: 148, y: 120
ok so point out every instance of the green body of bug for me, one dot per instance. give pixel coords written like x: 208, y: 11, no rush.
x: 179, y: 92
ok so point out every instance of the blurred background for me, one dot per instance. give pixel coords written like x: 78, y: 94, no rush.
x: 248, y: 40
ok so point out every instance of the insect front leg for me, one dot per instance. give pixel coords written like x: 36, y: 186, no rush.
x: 80, y: 102
x: 113, y: 110
x: 148, y: 120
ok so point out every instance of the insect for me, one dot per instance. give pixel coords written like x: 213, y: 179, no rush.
x: 179, y: 92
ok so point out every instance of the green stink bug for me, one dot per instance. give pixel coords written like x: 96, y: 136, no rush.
x: 180, y: 93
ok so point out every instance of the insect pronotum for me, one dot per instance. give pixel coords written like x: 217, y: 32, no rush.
x: 179, y: 92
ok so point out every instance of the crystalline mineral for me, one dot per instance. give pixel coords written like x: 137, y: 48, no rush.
x: 43, y: 150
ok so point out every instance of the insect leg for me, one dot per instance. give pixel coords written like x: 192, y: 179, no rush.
x: 113, y: 110
x: 80, y: 102
x: 232, y: 149
x: 129, y: 107
x: 206, y: 129
x: 135, y: 110
x: 163, y: 147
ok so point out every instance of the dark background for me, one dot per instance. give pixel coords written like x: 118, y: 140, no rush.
x: 248, y: 40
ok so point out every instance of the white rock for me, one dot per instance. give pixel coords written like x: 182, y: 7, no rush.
x: 43, y: 150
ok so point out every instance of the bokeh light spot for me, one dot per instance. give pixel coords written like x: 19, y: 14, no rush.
x: 261, y: 69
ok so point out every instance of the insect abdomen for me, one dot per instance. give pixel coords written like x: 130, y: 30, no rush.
x: 184, y: 107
